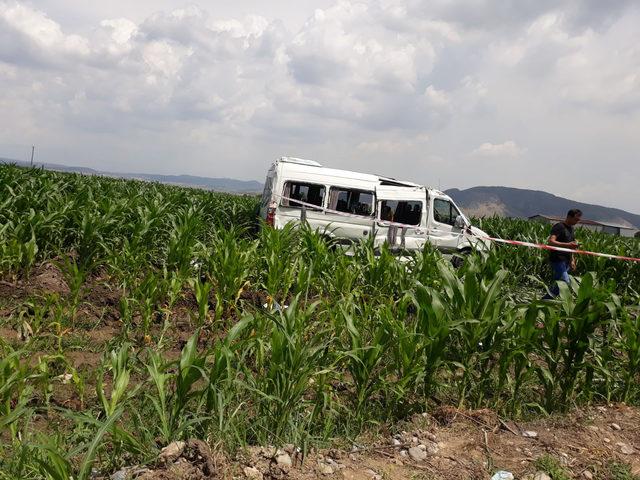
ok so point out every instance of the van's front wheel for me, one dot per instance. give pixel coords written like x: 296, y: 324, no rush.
x: 458, y: 259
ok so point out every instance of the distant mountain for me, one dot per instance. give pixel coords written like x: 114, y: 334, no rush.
x: 217, y: 184
x: 518, y: 202
x: 476, y: 201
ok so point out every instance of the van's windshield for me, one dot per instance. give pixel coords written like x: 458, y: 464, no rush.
x: 445, y: 211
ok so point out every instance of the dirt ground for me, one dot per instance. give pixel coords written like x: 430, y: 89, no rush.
x: 456, y: 444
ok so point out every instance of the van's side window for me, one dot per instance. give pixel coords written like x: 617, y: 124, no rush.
x: 444, y: 211
x: 305, y: 192
x: 358, y: 202
x: 409, y: 213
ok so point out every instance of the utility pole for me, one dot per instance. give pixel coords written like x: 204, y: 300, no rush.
x: 33, y: 147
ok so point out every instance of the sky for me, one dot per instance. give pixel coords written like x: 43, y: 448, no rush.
x: 536, y: 94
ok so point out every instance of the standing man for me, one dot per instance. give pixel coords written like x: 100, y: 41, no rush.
x: 562, y: 263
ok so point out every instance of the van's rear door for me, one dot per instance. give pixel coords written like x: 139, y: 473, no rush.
x: 406, y: 209
x: 267, y: 194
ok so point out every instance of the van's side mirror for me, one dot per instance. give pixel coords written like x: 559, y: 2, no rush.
x: 460, y: 222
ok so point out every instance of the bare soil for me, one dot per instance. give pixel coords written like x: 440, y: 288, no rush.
x: 460, y: 445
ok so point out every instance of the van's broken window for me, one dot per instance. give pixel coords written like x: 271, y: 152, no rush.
x: 266, y: 193
x: 305, y: 192
x: 358, y: 202
x: 408, y: 212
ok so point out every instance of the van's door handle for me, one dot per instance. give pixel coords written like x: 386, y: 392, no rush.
x: 365, y: 232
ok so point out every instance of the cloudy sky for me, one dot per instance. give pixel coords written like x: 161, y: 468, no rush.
x: 536, y: 94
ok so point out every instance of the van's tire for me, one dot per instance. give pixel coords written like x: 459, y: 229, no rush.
x: 458, y: 258
x: 333, y: 243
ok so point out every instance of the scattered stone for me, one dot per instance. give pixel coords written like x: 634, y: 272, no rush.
x: 171, y: 452
x: 422, y: 447
x: 120, y: 474
x: 128, y: 473
x: 615, y: 426
x: 541, y: 476
x: 353, y: 457
x: 414, y: 439
x: 417, y: 454
x: 336, y: 454
x: 403, y: 453
x: 530, y: 434
x: 396, y: 442
x: 253, y: 472
x: 593, y: 428
x: 587, y: 474
x: 270, y: 452
x: 325, y: 469
x: 606, y: 440
x: 625, y: 449
x: 65, y: 378
x: 283, y: 459
x: 433, y: 448
x: 290, y: 448
x: 372, y: 474
x: 502, y: 475
x: 431, y: 437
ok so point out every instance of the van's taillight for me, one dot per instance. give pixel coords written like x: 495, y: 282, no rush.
x: 271, y: 216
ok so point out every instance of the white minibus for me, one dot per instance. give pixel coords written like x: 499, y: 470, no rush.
x: 349, y: 206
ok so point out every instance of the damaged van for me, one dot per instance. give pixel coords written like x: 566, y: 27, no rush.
x: 350, y: 206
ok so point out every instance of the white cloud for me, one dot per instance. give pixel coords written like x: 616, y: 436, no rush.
x: 35, y: 37
x: 391, y: 145
x: 508, y: 149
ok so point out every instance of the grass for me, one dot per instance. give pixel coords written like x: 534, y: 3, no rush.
x: 614, y: 470
x: 552, y: 467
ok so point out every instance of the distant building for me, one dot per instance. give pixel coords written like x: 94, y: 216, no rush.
x: 611, y: 228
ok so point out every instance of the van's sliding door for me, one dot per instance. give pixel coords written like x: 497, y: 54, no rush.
x: 406, y: 206
x: 351, y: 213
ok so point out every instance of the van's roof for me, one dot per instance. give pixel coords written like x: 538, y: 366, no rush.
x: 310, y: 166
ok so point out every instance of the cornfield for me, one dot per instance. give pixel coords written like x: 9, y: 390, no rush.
x: 195, y: 324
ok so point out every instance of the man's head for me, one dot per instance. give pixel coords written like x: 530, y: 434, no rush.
x: 573, y: 216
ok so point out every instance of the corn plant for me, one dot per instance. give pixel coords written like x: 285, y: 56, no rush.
x: 14, y: 390
x: 630, y: 345
x: 228, y: 263
x: 278, y: 261
x: 175, y: 390
x: 315, y: 344
x: 367, y: 347
x: 296, y: 356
